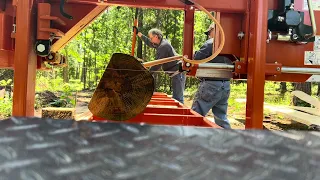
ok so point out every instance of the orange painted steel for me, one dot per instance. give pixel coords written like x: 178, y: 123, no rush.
x: 188, y: 29
x: 6, y: 43
x: 219, y: 5
x: 44, y: 20
x: 134, y: 36
x: 6, y: 59
x: 25, y: 60
x: 256, y: 64
x: 163, y: 110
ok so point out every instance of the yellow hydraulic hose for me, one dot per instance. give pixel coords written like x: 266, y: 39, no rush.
x: 215, y: 54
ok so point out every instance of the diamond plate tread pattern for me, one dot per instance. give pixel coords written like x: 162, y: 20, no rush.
x: 41, y: 149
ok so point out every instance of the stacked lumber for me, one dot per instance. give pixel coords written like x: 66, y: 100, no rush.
x: 58, y: 113
x: 306, y: 115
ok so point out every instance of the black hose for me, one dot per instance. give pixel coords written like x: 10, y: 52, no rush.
x: 64, y: 14
x: 5, y: 5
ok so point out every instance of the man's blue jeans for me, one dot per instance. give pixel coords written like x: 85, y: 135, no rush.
x: 178, y: 86
x: 213, y: 95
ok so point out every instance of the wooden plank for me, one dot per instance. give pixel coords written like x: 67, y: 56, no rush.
x: 312, y: 111
x: 84, y: 116
x: 307, y: 98
x: 58, y: 113
x: 295, y: 115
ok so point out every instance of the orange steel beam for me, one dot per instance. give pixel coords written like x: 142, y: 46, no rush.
x: 6, y: 59
x: 219, y: 5
x: 77, y: 28
x: 134, y: 36
x: 256, y: 64
x: 188, y: 31
x: 217, y: 15
x: 6, y: 28
x: 25, y: 60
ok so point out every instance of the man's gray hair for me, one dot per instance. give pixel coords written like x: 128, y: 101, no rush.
x: 156, y: 32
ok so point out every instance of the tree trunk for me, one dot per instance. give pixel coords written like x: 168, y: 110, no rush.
x: 144, y: 51
x: 305, y: 87
x: 89, y: 72
x: 84, y: 73
x: 95, y: 69
x: 318, y: 93
x: 84, y: 65
x: 158, y: 11
x: 283, y: 87
x: 78, y: 71
x: 65, y: 70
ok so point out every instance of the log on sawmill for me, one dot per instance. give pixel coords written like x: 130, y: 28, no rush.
x: 124, y: 90
x: 58, y: 113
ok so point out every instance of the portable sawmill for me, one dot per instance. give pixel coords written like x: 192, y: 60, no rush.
x: 268, y: 40
x: 248, y: 32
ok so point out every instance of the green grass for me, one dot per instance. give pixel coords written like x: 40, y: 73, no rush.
x: 56, y: 85
x: 5, y: 107
x: 239, y: 91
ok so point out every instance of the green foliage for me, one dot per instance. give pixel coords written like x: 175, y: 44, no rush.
x: 5, y: 82
x: 45, y: 82
x: 66, y: 98
x: 5, y: 107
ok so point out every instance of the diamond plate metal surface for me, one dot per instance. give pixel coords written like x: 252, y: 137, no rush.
x: 41, y: 149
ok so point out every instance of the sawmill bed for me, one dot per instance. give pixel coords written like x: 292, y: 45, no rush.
x: 163, y: 110
x: 45, y: 149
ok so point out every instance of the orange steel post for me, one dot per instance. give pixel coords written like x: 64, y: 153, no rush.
x: 25, y: 60
x: 256, y: 64
x: 134, y: 37
x: 217, y: 33
x: 188, y: 31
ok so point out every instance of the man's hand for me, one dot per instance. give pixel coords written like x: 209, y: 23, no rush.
x: 135, y: 28
x: 137, y: 31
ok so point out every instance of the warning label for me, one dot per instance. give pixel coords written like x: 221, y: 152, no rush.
x: 315, y: 3
x: 312, y: 57
x: 316, y: 46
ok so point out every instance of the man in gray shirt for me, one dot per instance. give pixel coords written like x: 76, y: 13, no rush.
x: 164, y: 50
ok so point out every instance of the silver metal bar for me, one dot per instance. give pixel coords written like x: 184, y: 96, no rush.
x: 297, y: 70
x: 215, y: 66
x: 313, y: 20
x: 284, y: 69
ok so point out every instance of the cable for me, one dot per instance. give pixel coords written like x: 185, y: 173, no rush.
x: 215, y: 54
